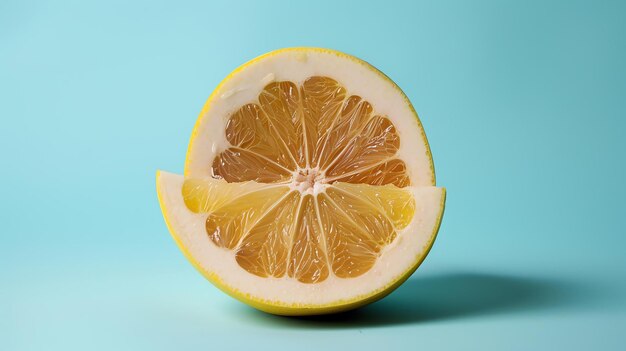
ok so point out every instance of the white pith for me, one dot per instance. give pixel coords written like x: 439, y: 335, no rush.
x: 244, y: 87
x: 308, y: 181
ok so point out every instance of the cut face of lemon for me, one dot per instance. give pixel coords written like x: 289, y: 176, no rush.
x: 309, y: 187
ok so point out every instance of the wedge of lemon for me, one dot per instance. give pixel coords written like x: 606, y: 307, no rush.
x: 309, y: 186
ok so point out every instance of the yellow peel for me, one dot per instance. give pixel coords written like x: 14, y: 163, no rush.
x: 207, y: 203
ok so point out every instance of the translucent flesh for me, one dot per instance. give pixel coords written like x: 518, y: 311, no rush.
x: 227, y: 225
x: 318, y: 131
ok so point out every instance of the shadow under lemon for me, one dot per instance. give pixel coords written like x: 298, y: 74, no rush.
x: 447, y: 296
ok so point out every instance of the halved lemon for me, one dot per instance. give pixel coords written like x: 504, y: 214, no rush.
x: 309, y: 186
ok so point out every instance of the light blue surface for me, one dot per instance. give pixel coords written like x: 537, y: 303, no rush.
x: 523, y: 102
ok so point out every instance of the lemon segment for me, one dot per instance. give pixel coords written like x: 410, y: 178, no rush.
x: 257, y: 273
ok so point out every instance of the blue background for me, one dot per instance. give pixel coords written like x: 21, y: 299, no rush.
x: 523, y: 102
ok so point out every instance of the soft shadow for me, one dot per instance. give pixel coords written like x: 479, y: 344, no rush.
x: 445, y: 297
